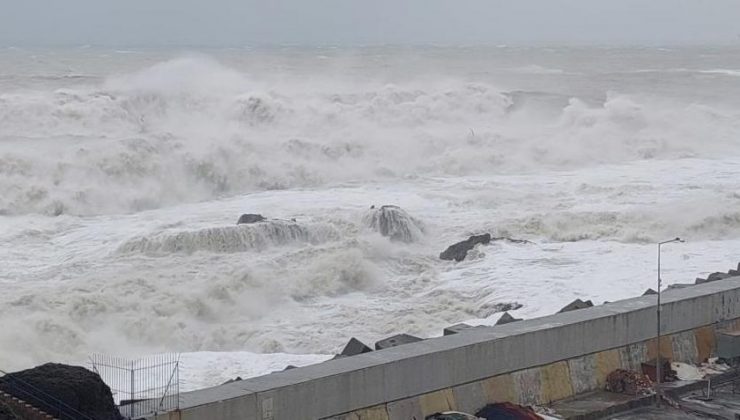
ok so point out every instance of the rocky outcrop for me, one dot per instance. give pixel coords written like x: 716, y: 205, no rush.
x: 395, y: 223
x: 459, y: 251
x: 78, y: 389
x: 249, y: 218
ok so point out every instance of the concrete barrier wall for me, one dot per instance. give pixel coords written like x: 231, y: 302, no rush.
x: 533, y: 362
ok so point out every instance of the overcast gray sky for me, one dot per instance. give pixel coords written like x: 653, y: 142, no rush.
x: 355, y: 22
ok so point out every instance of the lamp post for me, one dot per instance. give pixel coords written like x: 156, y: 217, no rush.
x: 658, y: 373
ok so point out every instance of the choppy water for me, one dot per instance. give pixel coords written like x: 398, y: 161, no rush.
x: 122, y: 174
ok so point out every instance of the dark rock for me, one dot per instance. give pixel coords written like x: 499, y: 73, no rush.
x: 735, y: 272
x: 396, y: 340
x: 457, y: 328
x: 354, y: 347
x: 650, y: 292
x: 506, y: 318
x: 459, y: 251
x: 289, y: 367
x: 248, y: 218
x: 576, y: 304
x: 76, y: 387
x: 395, y: 223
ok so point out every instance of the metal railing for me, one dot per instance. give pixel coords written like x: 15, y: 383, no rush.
x: 39, y: 398
x: 142, y: 386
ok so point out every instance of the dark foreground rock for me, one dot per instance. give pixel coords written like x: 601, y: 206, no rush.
x: 395, y: 223
x: 249, y: 218
x: 75, y: 387
x: 459, y: 251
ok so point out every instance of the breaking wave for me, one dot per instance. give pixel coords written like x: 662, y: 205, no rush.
x: 192, y: 129
x: 229, y: 239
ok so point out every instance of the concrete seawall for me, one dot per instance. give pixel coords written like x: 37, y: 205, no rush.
x: 534, y: 361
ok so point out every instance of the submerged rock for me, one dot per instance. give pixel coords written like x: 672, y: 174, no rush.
x: 459, y: 251
x: 76, y: 387
x: 395, y: 223
x: 248, y: 218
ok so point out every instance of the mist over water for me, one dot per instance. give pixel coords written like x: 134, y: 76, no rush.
x: 122, y: 175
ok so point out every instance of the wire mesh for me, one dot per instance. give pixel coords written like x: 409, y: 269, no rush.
x: 141, y: 386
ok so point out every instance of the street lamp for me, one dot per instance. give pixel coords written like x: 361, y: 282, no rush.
x: 658, y: 373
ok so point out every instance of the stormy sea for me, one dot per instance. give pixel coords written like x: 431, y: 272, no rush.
x: 123, y: 174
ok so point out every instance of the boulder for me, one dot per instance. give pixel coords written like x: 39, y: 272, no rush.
x: 354, y: 347
x: 506, y: 318
x: 576, y: 304
x: 249, y: 218
x: 459, y: 251
x: 76, y: 387
x: 395, y: 223
x: 396, y: 340
x: 713, y: 277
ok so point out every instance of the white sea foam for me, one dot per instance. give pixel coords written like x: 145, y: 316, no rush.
x: 192, y: 129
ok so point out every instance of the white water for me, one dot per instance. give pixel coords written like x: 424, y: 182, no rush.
x: 122, y: 177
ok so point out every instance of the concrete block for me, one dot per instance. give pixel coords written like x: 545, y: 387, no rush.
x: 437, y: 402
x: 506, y: 318
x: 705, y: 343
x: 354, y: 347
x: 454, y: 329
x: 404, y: 409
x: 576, y: 304
x: 499, y: 389
x: 528, y: 386
x: 396, y: 340
x: 633, y: 355
x: 556, y: 383
x: 470, y: 397
x: 583, y: 373
x: 649, y: 292
x: 684, y: 347
x: 606, y: 362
